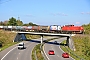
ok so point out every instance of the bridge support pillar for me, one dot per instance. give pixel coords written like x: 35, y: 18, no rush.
x: 19, y: 37
x: 41, y: 39
x: 67, y: 41
x: 70, y: 43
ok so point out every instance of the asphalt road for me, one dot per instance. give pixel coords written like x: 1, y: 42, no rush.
x: 13, y: 53
x: 56, y: 47
x: 23, y: 54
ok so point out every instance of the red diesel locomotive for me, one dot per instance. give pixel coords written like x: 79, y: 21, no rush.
x: 72, y: 29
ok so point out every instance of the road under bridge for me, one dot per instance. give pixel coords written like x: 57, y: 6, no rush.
x: 21, y: 36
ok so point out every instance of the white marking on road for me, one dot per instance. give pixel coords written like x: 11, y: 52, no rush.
x: 51, y: 47
x: 8, y: 53
x: 63, y: 51
x: 58, y: 55
x: 19, y: 53
x: 17, y: 58
x: 45, y: 53
x: 31, y: 50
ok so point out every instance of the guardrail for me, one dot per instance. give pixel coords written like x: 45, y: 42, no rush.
x: 41, y: 47
x: 74, y: 54
x: 42, y: 52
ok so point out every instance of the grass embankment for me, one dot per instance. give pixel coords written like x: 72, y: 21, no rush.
x: 86, y: 28
x: 68, y: 50
x: 38, y: 53
x: 82, y: 45
x: 7, y: 37
x: 28, y: 36
x: 38, y: 50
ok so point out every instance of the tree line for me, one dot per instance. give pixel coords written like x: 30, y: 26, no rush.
x: 14, y: 22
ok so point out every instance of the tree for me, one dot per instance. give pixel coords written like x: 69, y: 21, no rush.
x: 32, y: 24
x: 19, y: 23
x: 1, y: 23
x: 25, y: 25
x: 12, y: 21
x: 5, y: 23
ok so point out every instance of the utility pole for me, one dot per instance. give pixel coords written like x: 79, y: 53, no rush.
x: 18, y: 18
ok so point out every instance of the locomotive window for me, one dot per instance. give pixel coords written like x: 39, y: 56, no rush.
x: 69, y: 25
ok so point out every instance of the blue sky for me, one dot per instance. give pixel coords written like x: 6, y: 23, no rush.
x: 47, y: 12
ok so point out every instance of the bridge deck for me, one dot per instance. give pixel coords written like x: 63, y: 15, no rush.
x: 46, y: 34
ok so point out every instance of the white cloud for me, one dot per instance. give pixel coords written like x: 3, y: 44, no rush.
x: 55, y: 14
x: 29, y: 15
x: 85, y: 12
x: 64, y: 14
x: 82, y: 13
x: 88, y: 12
x: 77, y: 23
x: 59, y: 14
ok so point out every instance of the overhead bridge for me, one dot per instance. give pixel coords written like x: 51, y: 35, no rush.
x: 45, y: 34
x: 21, y: 36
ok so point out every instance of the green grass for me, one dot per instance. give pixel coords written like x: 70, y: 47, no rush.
x: 38, y: 53
x: 8, y: 45
x: 28, y: 36
x: 7, y: 37
x: 82, y: 45
x: 71, y: 53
